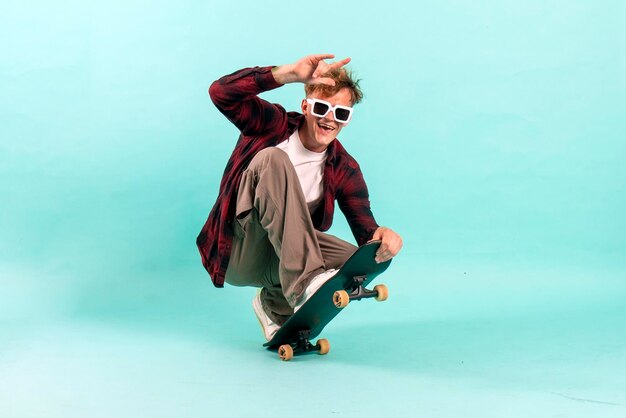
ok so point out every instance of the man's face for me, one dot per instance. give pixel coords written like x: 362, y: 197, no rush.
x: 317, y: 133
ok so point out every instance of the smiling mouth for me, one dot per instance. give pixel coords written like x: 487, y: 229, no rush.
x: 326, y: 128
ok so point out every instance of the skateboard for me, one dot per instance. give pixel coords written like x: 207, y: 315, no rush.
x: 293, y: 338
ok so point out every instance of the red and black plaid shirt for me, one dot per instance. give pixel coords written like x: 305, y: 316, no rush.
x: 263, y: 124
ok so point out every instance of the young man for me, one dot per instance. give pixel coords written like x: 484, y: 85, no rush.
x: 279, y: 187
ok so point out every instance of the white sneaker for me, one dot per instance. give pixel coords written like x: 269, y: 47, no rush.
x: 268, y: 326
x: 313, y: 287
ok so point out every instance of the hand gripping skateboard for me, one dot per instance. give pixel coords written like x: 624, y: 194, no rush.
x: 348, y: 284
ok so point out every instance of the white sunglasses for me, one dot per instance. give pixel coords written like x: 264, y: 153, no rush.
x: 320, y: 108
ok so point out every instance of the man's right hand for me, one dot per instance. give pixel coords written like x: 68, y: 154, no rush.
x: 308, y: 70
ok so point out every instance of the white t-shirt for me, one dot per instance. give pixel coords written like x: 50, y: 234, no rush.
x: 309, y: 166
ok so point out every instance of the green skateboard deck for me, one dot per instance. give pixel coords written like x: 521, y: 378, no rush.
x: 348, y: 284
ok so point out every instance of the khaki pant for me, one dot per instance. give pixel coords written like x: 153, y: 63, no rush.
x: 275, y: 246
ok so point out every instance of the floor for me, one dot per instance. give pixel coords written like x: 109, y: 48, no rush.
x: 454, y: 339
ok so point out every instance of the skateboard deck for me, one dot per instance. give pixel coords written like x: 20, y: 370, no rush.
x: 330, y: 299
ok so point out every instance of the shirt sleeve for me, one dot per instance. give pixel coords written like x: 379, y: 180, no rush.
x: 235, y: 96
x: 353, y: 200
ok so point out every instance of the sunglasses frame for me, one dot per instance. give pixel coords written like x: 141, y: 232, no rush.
x: 332, y: 108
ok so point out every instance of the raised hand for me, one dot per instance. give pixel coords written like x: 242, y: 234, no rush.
x: 309, y: 70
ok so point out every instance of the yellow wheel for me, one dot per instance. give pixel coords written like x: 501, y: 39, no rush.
x: 324, y: 346
x: 285, y: 352
x: 383, y: 293
x: 341, y: 298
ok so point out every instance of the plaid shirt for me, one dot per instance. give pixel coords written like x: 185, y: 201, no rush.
x: 263, y: 125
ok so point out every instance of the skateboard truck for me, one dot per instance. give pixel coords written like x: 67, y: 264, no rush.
x: 359, y: 291
x: 302, y: 345
x: 341, y: 298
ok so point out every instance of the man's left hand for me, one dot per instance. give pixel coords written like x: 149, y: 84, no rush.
x: 390, y: 245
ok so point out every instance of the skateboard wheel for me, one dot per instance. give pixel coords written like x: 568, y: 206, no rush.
x: 285, y: 352
x: 341, y: 298
x: 383, y: 293
x: 324, y: 346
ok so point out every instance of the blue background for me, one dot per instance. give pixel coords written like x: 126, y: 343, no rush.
x: 491, y: 138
